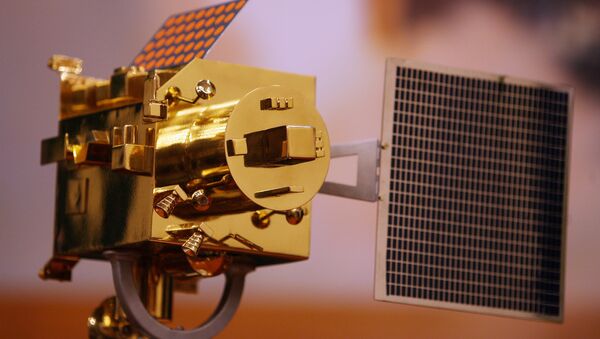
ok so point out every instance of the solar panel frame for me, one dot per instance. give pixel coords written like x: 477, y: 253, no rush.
x: 187, y: 35
x: 392, y: 66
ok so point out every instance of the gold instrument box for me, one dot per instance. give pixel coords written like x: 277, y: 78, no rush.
x: 178, y: 168
x: 218, y: 158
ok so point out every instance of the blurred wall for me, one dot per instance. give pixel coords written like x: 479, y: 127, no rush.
x: 344, y: 45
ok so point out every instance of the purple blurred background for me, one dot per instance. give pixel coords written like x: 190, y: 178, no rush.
x: 344, y: 44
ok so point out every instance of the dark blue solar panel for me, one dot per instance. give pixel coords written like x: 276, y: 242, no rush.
x: 476, y: 192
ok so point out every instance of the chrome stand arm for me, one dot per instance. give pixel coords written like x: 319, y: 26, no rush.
x: 123, y: 262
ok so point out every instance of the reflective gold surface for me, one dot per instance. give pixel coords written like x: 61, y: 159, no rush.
x: 194, y: 132
x: 174, y: 167
x: 298, y: 177
x: 108, y: 321
x: 149, y: 156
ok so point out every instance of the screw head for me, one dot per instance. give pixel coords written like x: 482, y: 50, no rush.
x: 200, y: 200
x: 294, y: 216
x: 205, y: 89
x: 261, y: 219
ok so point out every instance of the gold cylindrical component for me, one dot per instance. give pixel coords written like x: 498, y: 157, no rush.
x: 192, y: 244
x: 191, y: 147
x: 243, y: 154
x: 166, y: 205
x: 156, y: 290
x: 190, y: 152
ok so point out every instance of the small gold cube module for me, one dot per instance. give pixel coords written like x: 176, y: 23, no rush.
x: 208, y: 160
x: 280, y: 146
x: 301, y: 142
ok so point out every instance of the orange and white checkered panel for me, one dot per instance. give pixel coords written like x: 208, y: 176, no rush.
x: 187, y: 35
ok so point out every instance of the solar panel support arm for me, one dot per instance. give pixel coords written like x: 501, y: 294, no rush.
x: 367, y: 187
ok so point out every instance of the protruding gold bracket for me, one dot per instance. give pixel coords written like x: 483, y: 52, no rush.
x: 242, y: 241
x: 237, y: 147
x: 276, y: 103
x: 53, y: 150
x: 181, y: 231
x: 279, y: 191
x: 154, y: 109
x: 96, y: 151
x: 196, y: 235
x: 58, y: 268
x: 205, y: 89
x: 277, y: 146
x: 127, y: 82
x: 128, y: 155
x: 58, y: 149
x: 65, y: 65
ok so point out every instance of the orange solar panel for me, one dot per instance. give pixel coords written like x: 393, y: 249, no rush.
x: 187, y: 35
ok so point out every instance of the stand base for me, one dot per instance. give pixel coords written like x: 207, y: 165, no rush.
x: 123, y: 263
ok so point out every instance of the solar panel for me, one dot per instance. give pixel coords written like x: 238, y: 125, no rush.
x: 187, y: 35
x: 473, y: 192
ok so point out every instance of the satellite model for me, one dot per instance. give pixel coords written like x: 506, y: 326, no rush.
x: 178, y: 168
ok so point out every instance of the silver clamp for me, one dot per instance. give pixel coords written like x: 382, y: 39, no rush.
x: 123, y: 262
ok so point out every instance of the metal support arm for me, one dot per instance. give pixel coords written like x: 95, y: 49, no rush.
x: 366, y: 187
x: 123, y: 262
